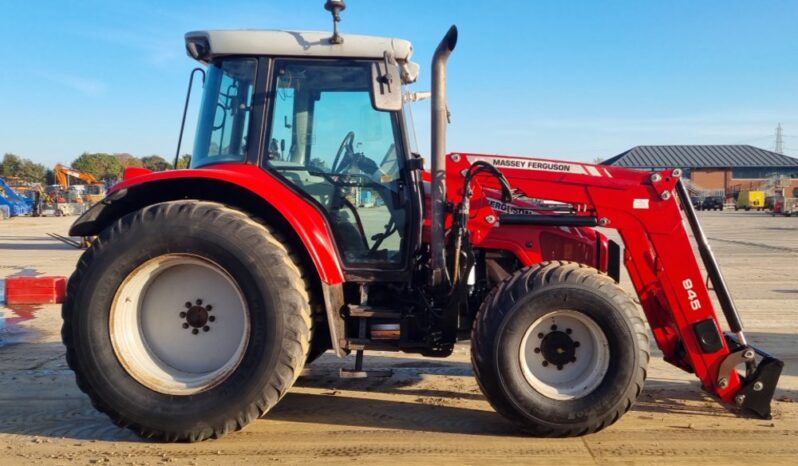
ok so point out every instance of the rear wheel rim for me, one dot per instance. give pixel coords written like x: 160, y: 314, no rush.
x: 564, y: 355
x: 179, y: 324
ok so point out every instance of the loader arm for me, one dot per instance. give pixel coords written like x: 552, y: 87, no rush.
x: 659, y: 257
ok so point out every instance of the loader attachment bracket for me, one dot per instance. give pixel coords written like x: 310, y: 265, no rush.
x: 759, y: 386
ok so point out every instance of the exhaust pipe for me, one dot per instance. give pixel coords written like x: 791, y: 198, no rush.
x: 438, y: 133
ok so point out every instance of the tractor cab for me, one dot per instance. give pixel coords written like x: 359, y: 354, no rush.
x: 324, y: 117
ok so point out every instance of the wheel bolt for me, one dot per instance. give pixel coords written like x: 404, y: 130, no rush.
x: 194, y: 331
x: 553, y: 327
x: 568, y: 331
x: 576, y: 344
x: 182, y: 314
x: 188, y: 304
x: 540, y: 335
x: 537, y: 350
x: 205, y: 328
x: 199, y: 302
x: 559, y: 367
x: 185, y: 325
x: 573, y: 359
x: 209, y: 308
x: 211, y: 319
x: 545, y: 364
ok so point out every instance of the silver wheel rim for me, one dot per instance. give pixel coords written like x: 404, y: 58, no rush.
x: 179, y: 324
x: 546, y: 345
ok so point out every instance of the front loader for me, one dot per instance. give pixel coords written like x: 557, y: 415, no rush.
x: 306, y: 223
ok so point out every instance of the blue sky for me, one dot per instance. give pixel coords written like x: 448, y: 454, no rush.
x: 573, y: 80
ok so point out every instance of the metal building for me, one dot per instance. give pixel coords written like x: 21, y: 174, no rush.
x: 726, y: 168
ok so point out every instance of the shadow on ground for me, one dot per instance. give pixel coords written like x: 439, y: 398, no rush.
x: 38, y: 396
x: 53, y: 245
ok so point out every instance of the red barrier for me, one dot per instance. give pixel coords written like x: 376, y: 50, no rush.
x: 35, y: 290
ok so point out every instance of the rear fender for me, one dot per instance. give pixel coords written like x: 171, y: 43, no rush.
x: 251, y: 190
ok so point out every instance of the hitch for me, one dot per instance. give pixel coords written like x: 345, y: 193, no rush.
x: 760, y: 380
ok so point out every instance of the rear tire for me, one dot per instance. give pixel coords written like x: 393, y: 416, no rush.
x: 560, y: 349
x: 147, y: 346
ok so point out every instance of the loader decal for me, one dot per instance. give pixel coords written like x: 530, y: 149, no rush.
x: 532, y: 164
x: 692, y: 296
x: 500, y: 206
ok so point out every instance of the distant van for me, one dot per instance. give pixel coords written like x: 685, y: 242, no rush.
x: 750, y: 199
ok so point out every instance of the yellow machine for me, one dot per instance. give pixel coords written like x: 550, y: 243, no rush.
x: 750, y: 199
x: 95, y: 190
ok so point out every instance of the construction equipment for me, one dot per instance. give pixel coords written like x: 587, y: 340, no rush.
x: 16, y: 204
x: 94, y: 191
x: 748, y: 199
x: 209, y: 288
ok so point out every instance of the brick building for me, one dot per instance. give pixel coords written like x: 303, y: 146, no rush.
x: 726, y: 168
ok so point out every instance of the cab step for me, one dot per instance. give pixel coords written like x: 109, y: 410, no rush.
x: 373, y: 312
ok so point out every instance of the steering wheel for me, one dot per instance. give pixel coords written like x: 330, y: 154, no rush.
x: 347, y: 149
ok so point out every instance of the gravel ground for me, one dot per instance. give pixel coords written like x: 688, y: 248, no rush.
x: 430, y: 410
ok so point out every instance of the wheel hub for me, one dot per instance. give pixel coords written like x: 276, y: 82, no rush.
x: 564, y: 354
x: 197, y: 316
x: 558, y: 349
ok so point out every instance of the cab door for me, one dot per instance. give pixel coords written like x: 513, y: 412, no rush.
x: 327, y: 140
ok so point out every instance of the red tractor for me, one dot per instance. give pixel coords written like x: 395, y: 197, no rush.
x: 306, y: 224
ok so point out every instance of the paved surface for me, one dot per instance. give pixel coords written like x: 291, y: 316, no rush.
x: 430, y: 410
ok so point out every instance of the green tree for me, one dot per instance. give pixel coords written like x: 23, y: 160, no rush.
x: 156, y: 163
x: 11, y: 164
x: 184, y: 161
x: 102, y: 166
x: 27, y: 170
x: 128, y: 160
x: 320, y: 164
x: 49, y: 177
x: 32, y: 171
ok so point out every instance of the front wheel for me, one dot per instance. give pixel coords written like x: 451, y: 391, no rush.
x: 186, y: 320
x: 560, y: 349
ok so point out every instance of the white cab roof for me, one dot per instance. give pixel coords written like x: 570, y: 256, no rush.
x: 304, y: 44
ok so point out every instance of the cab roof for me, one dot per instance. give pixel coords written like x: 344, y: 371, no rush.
x: 208, y: 45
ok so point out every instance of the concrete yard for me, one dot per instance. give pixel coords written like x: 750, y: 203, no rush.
x: 431, y: 410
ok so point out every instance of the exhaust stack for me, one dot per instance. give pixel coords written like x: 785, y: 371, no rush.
x: 438, y: 144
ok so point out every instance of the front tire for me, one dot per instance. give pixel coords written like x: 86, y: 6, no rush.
x: 560, y: 349
x: 186, y: 320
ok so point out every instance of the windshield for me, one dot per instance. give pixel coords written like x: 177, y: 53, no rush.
x: 223, y: 126
x: 322, y: 109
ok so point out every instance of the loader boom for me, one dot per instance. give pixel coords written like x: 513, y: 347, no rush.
x: 659, y: 257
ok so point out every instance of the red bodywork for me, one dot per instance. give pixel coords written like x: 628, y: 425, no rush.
x: 658, y: 256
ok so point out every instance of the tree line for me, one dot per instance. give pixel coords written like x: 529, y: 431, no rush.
x: 102, y: 166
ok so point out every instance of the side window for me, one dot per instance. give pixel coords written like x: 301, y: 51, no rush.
x: 223, y: 124
x: 328, y: 140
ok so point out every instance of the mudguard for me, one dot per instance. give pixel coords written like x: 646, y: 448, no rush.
x: 233, y: 184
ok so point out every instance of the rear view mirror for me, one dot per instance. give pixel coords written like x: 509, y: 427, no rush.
x: 386, y: 85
